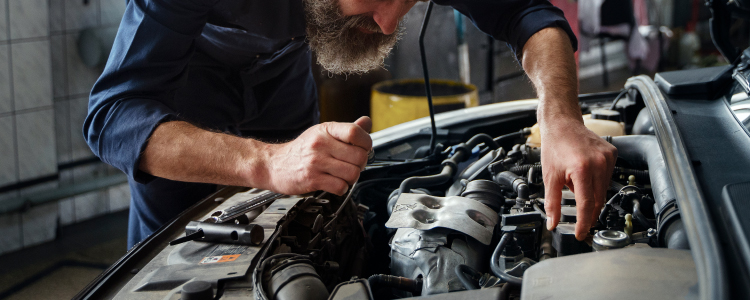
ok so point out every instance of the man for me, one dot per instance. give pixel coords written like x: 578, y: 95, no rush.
x: 192, y: 88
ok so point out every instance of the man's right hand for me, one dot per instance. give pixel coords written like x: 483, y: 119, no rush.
x: 327, y: 157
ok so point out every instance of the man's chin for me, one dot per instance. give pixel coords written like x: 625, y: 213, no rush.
x: 338, y: 66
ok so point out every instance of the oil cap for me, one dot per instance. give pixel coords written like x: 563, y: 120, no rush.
x: 605, y: 114
x: 610, y: 239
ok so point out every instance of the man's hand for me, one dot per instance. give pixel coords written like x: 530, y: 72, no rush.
x: 572, y: 155
x: 575, y: 157
x: 327, y: 157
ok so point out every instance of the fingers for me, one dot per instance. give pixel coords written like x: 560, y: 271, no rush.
x: 351, y: 133
x: 365, y: 123
x: 331, y: 184
x: 585, y: 204
x: 553, y: 197
x: 352, y: 155
x: 339, y: 169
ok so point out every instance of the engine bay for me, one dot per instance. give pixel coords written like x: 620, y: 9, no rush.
x: 467, y: 221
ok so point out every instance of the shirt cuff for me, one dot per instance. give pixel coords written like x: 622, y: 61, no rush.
x: 528, y: 24
x: 124, y: 134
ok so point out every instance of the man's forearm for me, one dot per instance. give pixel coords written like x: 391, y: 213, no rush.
x: 548, y: 61
x: 183, y: 152
x: 325, y: 157
x: 572, y: 155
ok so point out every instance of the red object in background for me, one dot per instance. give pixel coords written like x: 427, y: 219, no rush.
x: 690, y: 26
x: 570, y: 8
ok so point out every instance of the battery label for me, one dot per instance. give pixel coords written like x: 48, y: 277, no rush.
x: 223, y: 253
x: 219, y: 259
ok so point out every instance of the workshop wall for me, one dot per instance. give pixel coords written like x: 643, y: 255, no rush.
x: 441, y: 49
x: 44, y: 87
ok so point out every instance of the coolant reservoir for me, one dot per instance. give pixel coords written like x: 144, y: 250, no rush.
x: 602, y: 123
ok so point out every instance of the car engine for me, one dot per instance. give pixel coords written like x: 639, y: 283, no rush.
x: 463, y: 219
x: 470, y: 217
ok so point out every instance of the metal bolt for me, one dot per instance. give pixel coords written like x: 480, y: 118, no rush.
x: 651, y: 232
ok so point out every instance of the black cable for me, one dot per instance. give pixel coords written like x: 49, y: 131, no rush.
x: 470, y: 283
x: 428, y: 89
x: 498, y: 270
x: 622, y: 93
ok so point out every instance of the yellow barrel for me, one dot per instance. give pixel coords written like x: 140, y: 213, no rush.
x: 397, y: 101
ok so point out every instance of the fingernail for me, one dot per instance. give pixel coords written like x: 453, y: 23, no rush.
x: 549, y: 223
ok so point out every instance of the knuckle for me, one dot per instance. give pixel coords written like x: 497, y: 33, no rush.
x: 313, y: 160
x: 315, y: 143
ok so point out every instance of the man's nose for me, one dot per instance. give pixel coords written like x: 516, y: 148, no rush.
x: 389, y: 13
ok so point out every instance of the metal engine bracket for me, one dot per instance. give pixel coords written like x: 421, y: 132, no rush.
x: 426, y: 212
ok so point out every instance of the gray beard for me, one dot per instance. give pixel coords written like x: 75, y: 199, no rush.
x: 339, y: 45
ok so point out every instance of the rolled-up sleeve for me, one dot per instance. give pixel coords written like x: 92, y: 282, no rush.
x: 147, y: 64
x: 512, y: 21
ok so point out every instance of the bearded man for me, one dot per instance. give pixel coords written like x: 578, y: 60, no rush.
x: 192, y: 88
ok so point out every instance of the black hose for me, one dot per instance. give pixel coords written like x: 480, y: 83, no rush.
x: 640, y: 217
x: 524, y: 169
x: 614, y: 103
x: 449, y: 166
x: 430, y: 180
x: 504, y: 292
x: 498, y: 270
x: 521, y: 133
x: 470, y: 283
x: 377, y: 281
x: 514, y: 181
x: 482, y: 138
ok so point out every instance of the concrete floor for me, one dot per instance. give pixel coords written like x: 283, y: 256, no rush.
x: 60, y: 269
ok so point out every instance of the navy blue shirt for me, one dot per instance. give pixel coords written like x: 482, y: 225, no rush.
x: 240, y: 67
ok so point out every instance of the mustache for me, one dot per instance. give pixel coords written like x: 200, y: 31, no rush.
x: 365, y: 22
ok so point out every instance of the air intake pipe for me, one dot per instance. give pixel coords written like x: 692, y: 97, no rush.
x: 643, y: 151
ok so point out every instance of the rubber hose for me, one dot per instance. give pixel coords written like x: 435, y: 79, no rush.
x: 495, y: 261
x: 402, y: 283
x: 524, y: 169
x: 470, y: 283
x: 640, y: 217
x: 430, y: 180
x: 482, y: 138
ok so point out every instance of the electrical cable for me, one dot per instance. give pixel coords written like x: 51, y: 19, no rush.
x: 428, y: 89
